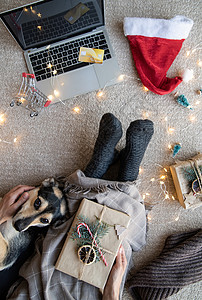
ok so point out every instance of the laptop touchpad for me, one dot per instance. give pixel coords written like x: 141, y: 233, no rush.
x: 71, y: 84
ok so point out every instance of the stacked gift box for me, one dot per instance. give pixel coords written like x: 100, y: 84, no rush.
x: 188, y: 181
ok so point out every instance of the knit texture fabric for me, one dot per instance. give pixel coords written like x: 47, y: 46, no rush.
x: 178, y: 265
x: 110, y: 132
x: 138, y: 136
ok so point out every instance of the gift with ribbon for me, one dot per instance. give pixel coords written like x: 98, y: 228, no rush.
x: 93, y: 242
x: 187, y: 177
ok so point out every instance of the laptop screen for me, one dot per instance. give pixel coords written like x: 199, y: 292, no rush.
x: 45, y: 22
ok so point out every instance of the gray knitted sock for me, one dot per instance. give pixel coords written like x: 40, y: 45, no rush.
x: 138, y: 136
x: 110, y: 132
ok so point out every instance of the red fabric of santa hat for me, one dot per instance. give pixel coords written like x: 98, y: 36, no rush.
x: 155, y: 44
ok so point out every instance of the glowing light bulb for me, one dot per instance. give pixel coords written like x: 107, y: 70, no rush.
x: 176, y: 219
x: 147, y: 194
x: 39, y: 15
x: 50, y: 97
x: 15, y: 140
x: 199, y: 63
x: 56, y: 93
x: 54, y: 72
x: 48, y: 47
x: 25, y: 9
x: 145, y: 89
x: 188, y: 53
x: 100, y: 93
x: 197, y: 102
x: 121, y: 77
x: 149, y: 218
x: 173, y: 197
x: 76, y: 109
x: 143, y: 196
x: 22, y: 99
x: 163, y: 177
x: 39, y: 27
x: 49, y: 66
x: 2, y: 118
x: 192, y: 118
x: 169, y: 146
x: 145, y: 115
x: 141, y: 170
x: 166, y: 119
x: 33, y: 11
x: 161, y: 182
x: 171, y: 130
x: 167, y: 196
x: 152, y: 179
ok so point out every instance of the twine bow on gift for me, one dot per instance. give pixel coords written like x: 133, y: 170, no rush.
x: 93, y: 242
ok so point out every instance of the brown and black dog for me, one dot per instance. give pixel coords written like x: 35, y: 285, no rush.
x: 46, y: 205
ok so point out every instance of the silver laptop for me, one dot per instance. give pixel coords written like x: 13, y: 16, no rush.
x: 51, y: 34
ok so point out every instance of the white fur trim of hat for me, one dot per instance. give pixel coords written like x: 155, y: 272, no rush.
x: 176, y: 28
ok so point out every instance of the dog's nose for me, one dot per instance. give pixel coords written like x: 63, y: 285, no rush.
x: 18, y: 225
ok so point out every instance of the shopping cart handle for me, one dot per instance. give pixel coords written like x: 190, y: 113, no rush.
x: 47, y: 103
x: 26, y: 74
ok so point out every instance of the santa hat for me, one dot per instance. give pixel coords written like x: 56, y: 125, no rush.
x: 154, y: 44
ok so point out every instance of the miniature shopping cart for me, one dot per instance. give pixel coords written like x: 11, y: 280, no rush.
x: 29, y: 96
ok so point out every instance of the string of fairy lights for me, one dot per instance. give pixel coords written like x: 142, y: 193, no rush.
x: 101, y: 96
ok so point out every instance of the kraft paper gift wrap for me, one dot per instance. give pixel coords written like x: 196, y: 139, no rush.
x: 97, y: 272
x: 188, y: 181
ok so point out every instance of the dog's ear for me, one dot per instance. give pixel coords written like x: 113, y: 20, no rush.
x: 61, y: 181
x: 50, y: 182
x: 63, y: 207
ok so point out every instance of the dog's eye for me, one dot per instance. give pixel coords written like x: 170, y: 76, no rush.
x: 44, y: 220
x: 37, y: 203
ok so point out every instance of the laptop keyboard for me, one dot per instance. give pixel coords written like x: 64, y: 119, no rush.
x: 50, y: 28
x: 64, y: 58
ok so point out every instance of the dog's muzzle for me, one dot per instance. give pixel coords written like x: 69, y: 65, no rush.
x: 22, y: 224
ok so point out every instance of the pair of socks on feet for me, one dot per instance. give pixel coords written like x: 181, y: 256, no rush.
x: 138, y: 136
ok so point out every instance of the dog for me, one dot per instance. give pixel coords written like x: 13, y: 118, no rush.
x: 46, y: 205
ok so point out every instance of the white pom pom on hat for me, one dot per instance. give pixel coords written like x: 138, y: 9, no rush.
x: 187, y: 75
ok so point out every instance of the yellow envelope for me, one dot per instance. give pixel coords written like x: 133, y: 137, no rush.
x: 91, y: 55
x: 76, y: 12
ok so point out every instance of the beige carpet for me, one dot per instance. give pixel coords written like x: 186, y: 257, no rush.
x: 60, y: 141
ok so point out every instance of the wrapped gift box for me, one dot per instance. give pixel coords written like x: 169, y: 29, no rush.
x: 108, y: 227
x: 188, y: 181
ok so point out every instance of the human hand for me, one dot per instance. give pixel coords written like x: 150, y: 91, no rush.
x: 112, y: 288
x: 10, y: 203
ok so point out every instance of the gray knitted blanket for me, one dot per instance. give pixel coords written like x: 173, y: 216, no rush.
x: 179, y: 264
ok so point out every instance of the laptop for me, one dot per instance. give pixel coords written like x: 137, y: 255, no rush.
x: 51, y: 33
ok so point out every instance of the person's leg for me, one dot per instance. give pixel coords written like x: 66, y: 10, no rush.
x: 138, y: 136
x: 110, y: 132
